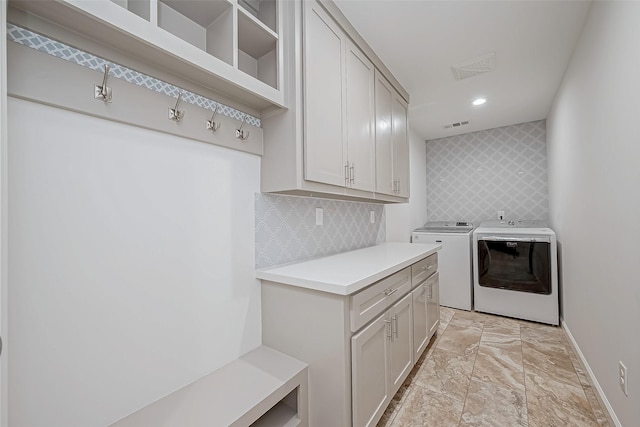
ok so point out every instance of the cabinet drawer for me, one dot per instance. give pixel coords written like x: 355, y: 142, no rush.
x: 370, y: 302
x: 423, y: 269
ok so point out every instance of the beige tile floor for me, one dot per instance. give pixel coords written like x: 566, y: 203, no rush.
x: 485, y: 370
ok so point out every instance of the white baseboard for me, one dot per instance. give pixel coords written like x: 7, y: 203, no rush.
x: 592, y: 378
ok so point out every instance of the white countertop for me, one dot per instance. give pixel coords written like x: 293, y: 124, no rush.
x: 349, y: 272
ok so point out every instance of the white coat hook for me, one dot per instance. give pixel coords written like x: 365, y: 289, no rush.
x: 175, y: 114
x: 212, y: 125
x: 242, y: 134
x: 103, y: 92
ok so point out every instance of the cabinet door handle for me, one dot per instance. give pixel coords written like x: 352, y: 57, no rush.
x: 388, y: 292
x: 387, y: 328
x: 398, y: 191
x: 346, y: 175
x: 395, y: 320
x: 430, y: 292
x: 352, y: 172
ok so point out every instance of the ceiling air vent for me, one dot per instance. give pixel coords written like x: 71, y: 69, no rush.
x: 478, y: 65
x: 456, y: 124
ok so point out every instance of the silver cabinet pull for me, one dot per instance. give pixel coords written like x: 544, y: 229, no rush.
x: 352, y: 172
x: 395, y: 331
x: 346, y: 174
x: 388, y: 292
x: 387, y: 329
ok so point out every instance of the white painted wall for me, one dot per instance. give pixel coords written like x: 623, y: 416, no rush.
x: 594, y: 172
x: 404, y: 218
x: 131, y: 265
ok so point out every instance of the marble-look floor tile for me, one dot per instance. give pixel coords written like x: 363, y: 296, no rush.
x: 473, y: 362
x: 446, y: 314
x: 553, y: 403
x: 543, y: 334
x: 596, y: 406
x: 500, y: 363
x: 499, y: 321
x: 460, y: 339
x: 446, y: 373
x: 547, y: 361
x: 424, y: 407
x: 469, y: 319
x: 493, y: 405
x: 500, y: 334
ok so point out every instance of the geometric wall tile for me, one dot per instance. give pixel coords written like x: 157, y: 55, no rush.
x: 472, y: 176
x: 286, y: 229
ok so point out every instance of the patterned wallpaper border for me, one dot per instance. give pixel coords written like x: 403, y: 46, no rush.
x: 473, y: 176
x: 60, y: 50
x: 286, y: 229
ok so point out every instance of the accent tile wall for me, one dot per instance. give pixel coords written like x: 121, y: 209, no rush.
x: 473, y: 176
x: 286, y: 229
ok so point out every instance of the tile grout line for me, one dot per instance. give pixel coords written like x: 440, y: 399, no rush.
x: 524, y: 374
x: 466, y: 396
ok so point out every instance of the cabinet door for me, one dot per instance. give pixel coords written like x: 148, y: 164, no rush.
x: 324, y: 49
x: 360, y: 77
x: 401, y: 354
x: 433, y: 304
x: 400, y: 141
x: 370, y: 372
x: 384, y: 147
x: 420, y: 333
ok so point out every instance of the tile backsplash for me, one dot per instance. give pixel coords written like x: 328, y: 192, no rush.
x: 473, y: 176
x: 286, y: 229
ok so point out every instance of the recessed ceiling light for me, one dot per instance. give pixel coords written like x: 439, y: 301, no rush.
x: 479, y: 101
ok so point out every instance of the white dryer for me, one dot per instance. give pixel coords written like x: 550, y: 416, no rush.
x: 454, y: 260
x: 516, y: 270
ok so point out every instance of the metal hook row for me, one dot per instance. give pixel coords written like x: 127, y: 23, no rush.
x: 105, y: 94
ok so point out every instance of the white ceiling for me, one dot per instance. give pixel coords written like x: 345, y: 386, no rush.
x: 421, y: 40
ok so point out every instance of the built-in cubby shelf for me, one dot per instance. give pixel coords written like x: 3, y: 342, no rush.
x: 257, y: 48
x: 231, y: 46
x: 206, y: 25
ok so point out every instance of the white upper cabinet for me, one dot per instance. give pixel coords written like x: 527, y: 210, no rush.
x: 392, y: 144
x: 384, y: 145
x: 324, y: 151
x: 360, y: 117
x: 399, y: 138
x: 325, y: 143
x: 339, y: 110
x: 229, y: 46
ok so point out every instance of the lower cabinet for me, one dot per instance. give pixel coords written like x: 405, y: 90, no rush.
x: 433, y: 304
x: 381, y: 361
x: 420, y: 330
x: 360, y: 347
x: 370, y: 371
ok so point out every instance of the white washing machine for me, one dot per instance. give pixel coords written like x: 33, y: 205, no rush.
x: 454, y: 260
x: 515, y: 267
